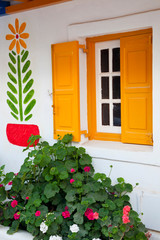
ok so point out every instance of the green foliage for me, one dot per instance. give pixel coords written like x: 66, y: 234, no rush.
x: 53, y: 180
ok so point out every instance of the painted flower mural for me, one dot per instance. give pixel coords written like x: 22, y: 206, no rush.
x: 21, y: 93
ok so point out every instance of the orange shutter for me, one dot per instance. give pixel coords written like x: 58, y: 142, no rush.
x: 136, y: 89
x: 66, y: 106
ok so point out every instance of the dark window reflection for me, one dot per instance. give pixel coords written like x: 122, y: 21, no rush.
x: 105, y: 60
x: 116, y: 87
x: 116, y: 59
x: 105, y: 114
x: 105, y: 87
x: 116, y: 114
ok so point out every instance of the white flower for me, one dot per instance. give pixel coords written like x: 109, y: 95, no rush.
x: 55, y: 237
x: 74, y: 228
x: 96, y: 239
x: 43, y: 227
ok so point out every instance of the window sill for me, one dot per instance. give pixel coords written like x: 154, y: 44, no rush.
x: 118, y: 151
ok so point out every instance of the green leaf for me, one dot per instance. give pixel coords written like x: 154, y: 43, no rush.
x: 70, y: 196
x: 120, y: 180
x: 2, y: 194
x: 28, y: 117
x: 61, y: 153
x: 81, y: 150
x: 27, y: 76
x: 17, y: 184
x: 26, y: 66
x: 12, y: 68
x: 12, y: 106
x: 14, y: 53
x: 28, y: 86
x: 13, y: 89
x: 51, y: 189
x: 29, y: 96
x: 12, y: 78
x: 29, y: 107
x: 14, y: 227
x: 24, y: 57
x: 63, y: 175
x: 9, y: 176
x: 85, y: 159
x: 78, y: 218
x: 67, y: 138
x: 12, y: 58
x: 71, y: 164
x: 22, y: 52
x: 12, y: 97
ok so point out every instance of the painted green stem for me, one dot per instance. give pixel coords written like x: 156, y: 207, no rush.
x: 20, y: 88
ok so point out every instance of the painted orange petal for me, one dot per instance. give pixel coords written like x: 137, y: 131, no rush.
x: 11, y: 46
x: 10, y: 37
x: 22, y: 27
x: 17, y: 25
x: 23, y: 44
x: 24, y: 35
x: 12, y: 28
x: 17, y: 47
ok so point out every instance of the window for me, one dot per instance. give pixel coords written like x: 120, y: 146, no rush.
x: 120, y: 88
x: 108, y: 100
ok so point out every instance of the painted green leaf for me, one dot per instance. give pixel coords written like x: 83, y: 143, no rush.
x: 22, y: 52
x: 28, y: 117
x: 24, y: 57
x: 12, y: 106
x: 29, y: 96
x: 14, y: 116
x: 26, y: 66
x: 28, y: 86
x: 12, y: 58
x: 13, y: 89
x: 12, y: 78
x: 12, y: 97
x: 14, y: 53
x: 26, y: 77
x: 12, y: 68
x: 29, y: 107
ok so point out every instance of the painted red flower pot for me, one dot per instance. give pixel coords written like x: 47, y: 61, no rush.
x: 18, y: 134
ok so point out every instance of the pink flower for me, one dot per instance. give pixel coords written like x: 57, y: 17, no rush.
x: 72, y: 170
x: 72, y: 180
x: 125, y: 219
x: 16, y: 174
x: 17, y: 215
x: 126, y: 209
x: 10, y: 183
x: 27, y: 198
x: 88, y: 211
x: 1, y: 185
x: 87, y: 169
x: 90, y: 216
x: 95, y: 215
x: 14, y: 203
x: 66, y: 208
x: 37, y: 214
x: 13, y: 196
x: 131, y: 226
x: 66, y: 214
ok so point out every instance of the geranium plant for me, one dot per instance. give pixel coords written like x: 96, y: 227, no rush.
x: 57, y: 196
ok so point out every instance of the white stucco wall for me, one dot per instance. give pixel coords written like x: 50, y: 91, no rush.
x: 75, y: 21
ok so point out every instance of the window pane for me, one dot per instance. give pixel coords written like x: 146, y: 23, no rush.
x: 105, y: 60
x: 116, y: 114
x: 105, y: 114
x: 116, y: 87
x: 105, y: 87
x: 116, y: 59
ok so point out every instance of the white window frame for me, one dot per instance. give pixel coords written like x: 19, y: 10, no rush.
x: 99, y: 101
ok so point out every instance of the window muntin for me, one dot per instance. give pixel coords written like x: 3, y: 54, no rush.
x: 108, y: 100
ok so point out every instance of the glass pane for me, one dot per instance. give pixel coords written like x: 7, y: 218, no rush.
x: 116, y: 59
x: 116, y: 114
x: 116, y: 87
x: 105, y: 60
x: 105, y: 87
x: 105, y: 114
